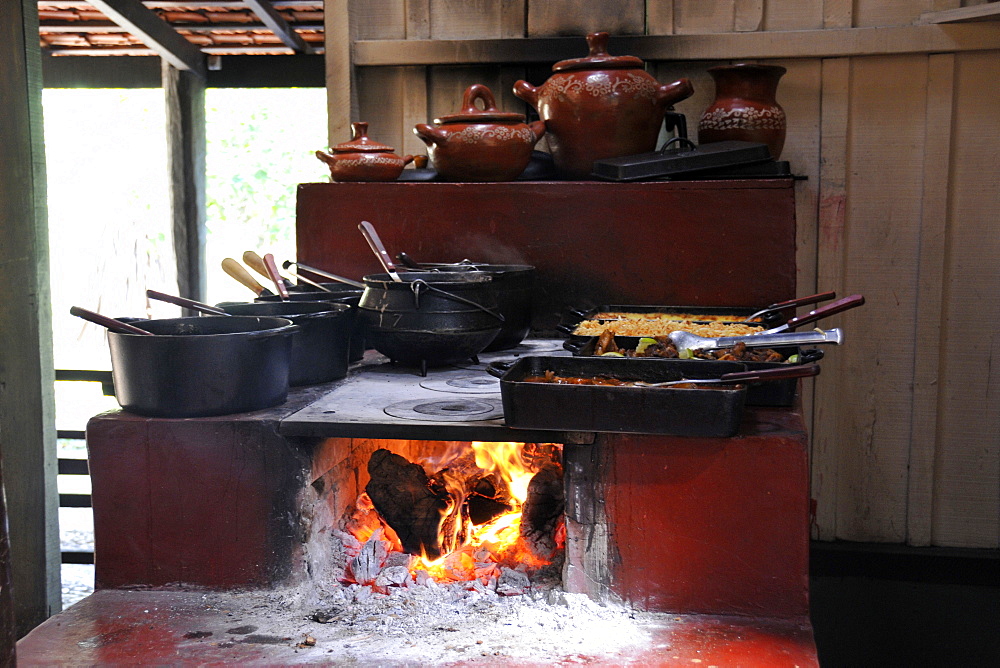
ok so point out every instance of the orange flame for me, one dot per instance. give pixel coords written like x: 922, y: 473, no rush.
x: 475, y: 551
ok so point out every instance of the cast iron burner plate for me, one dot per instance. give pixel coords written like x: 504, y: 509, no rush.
x: 477, y: 383
x: 446, y: 410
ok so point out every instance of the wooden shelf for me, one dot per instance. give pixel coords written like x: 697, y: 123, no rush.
x: 975, y: 13
x: 722, y: 46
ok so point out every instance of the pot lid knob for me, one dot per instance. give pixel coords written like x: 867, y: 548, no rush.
x: 361, y: 142
x: 471, y: 113
x: 598, y: 57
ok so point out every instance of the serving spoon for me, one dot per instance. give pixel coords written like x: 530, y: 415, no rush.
x: 776, y: 373
x: 105, y: 321
x: 689, y: 341
x: 325, y: 274
x: 368, y: 230
x: 186, y: 303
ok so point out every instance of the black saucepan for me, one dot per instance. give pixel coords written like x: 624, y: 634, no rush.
x: 320, y: 347
x: 202, y: 366
x: 337, y: 293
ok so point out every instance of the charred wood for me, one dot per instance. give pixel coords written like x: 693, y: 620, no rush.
x: 401, y: 493
x: 543, y: 511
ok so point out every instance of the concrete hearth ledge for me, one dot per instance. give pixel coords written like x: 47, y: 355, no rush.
x: 146, y: 627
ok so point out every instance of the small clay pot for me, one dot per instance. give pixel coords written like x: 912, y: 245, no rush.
x: 745, y: 108
x: 363, y: 159
x: 480, y: 144
x: 600, y: 106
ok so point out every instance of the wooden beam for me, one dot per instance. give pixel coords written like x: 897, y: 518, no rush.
x: 987, y: 12
x: 721, y: 46
x: 274, y: 21
x: 27, y: 372
x: 154, y: 33
x: 185, y: 99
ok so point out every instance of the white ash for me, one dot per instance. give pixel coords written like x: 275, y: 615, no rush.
x: 433, y: 624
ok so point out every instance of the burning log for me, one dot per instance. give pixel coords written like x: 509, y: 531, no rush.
x: 430, y: 514
x: 542, y: 511
x: 402, y: 495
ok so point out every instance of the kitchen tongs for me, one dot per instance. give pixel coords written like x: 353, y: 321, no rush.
x: 791, y: 303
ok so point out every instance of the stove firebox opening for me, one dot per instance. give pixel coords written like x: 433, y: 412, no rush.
x: 486, y: 513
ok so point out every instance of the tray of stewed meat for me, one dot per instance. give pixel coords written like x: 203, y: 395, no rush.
x: 781, y: 392
x: 670, y: 397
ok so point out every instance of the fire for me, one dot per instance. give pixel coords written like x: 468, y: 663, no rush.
x: 482, y: 497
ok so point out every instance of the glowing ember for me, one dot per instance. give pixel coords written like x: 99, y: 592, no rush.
x: 474, y: 499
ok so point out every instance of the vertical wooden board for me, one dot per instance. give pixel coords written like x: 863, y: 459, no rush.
x: 696, y: 17
x: 874, y: 372
x: 748, y: 15
x: 793, y: 15
x: 868, y: 13
x: 513, y: 18
x: 465, y: 19
x: 341, y: 99
x: 931, y: 267
x: 834, y: 102
x: 377, y: 19
x: 659, y: 17
x: 381, y: 93
x: 838, y: 13
x: 413, y: 91
x: 418, y: 19
x: 579, y: 17
x: 27, y: 410
x: 967, y: 467
x: 799, y: 94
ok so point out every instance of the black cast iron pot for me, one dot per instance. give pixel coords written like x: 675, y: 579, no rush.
x: 320, y: 347
x: 515, y: 291
x: 202, y: 366
x: 429, y: 318
x: 339, y: 293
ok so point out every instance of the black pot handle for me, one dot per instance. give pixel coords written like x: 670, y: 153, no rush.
x: 565, y: 329
x: 810, y: 355
x: 574, y: 346
x: 684, y: 141
x: 420, y: 284
x: 498, y: 369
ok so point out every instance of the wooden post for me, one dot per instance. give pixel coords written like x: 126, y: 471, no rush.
x: 27, y: 413
x: 185, y: 99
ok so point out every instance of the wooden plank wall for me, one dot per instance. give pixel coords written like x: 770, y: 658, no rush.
x: 899, y: 152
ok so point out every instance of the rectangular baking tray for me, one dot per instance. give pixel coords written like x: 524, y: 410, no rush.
x: 713, y: 412
x: 770, y: 393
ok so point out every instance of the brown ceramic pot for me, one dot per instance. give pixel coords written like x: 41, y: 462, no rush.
x: 363, y: 159
x: 480, y: 144
x: 745, y: 107
x: 600, y: 106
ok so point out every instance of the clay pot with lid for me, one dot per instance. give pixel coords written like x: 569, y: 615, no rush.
x: 363, y: 158
x: 480, y: 144
x: 600, y: 106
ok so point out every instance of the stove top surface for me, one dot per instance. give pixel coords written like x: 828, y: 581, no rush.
x: 379, y: 399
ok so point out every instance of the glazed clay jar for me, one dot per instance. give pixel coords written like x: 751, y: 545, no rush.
x: 363, y: 159
x: 745, y: 108
x: 480, y: 144
x: 600, y: 106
